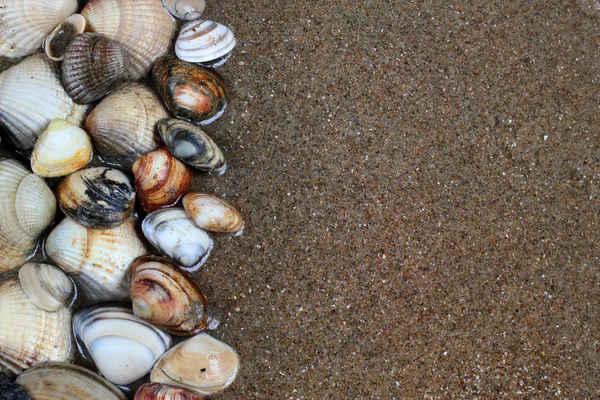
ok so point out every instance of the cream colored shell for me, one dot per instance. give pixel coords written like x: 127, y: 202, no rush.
x: 212, y: 213
x: 57, y: 41
x: 47, y: 286
x: 185, y: 9
x: 204, y: 41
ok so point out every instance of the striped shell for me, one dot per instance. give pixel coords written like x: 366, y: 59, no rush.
x: 47, y: 286
x: 159, y: 391
x: 205, y: 42
x: 58, y: 40
x: 212, y: 213
x: 185, y: 9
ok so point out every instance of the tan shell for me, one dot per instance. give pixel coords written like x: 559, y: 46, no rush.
x: 212, y: 213
x: 159, y: 391
x: 58, y: 40
x: 47, y: 286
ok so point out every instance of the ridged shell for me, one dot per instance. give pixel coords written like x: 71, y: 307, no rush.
x: 143, y: 27
x: 31, y: 95
x: 93, y: 66
x: 123, y: 125
x: 61, y: 149
x: 97, y: 259
x: 97, y: 198
x: 190, y: 91
x: 58, y: 40
x: 205, y: 42
x: 61, y: 381
x: 173, y: 233
x: 189, y: 144
x: 29, y: 334
x: 25, y: 23
x: 185, y: 9
x: 47, y: 286
x: 160, y: 180
x: 201, y: 364
x: 123, y: 346
x: 166, y: 296
x: 212, y: 213
x: 160, y: 391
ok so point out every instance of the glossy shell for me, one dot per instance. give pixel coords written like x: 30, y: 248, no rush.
x: 186, y: 10
x: 58, y: 40
x: 189, y: 91
x: 205, y: 42
x: 160, y: 180
x: 47, y: 286
x: 159, y: 391
x: 212, y: 213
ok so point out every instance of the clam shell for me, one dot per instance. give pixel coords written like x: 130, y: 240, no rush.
x: 29, y: 334
x: 173, y: 233
x: 189, y: 144
x: 47, y: 286
x: 58, y: 40
x: 31, y: 95
x: 93, y: 66
x: 61, y: 149
x: 186, y: 10
x: 96, y: 259
x: 166, y: 296
x: 143, y: 27
x: 201, y: 364
x: 212, y: 213
x: 60, y: 381
x: 122, y: 126
x: 160, y: 180
x: 189, y: 91
x: 123, y: 346
x: 159, y: 391
x: 97, y: 198
x: 204, y: 42
x: 25, y: 23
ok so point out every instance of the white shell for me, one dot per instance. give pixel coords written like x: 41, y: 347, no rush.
x: 204, y: 41
x: 62, y: 35
x: 187, y: 10
x: 47, y: 286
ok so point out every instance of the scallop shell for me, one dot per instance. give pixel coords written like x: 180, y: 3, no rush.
x: 159, y: 391
x: 186, y: 10
x: 190, y: 91
x: 58, y: 40
x: 122, y: 126
x: 143, y: 27
x: 93, y: 66
x: 25, y: 23
x: 201, y: 364
x: 212, y: 213
x: 189, y: 144
x: 61, y: 149
x: 160, y: 180
x: 97, y: 259
x: 29, y: 334
x: 47, y: 286
x: 31, y: 95
x: 60, y: 381
x: 205, y: 42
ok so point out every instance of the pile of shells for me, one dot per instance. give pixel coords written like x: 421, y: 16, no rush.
x: 106, y: 219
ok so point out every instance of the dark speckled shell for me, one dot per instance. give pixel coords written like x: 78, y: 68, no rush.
x: 14, y: 391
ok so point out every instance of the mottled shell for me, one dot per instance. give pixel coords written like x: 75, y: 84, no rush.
x: 29, y: 334
x: 190, y: 91
x: 160, y: 180
x: 93, y: 66
x: 31, y: 95
x: 61, y: 149
x: 25, y: 23
x: 188, y: 143
x: 96, y: 259
x: 212, y: 213
x: 159, y: 391
x: 60, y: 381
x: 205, y: 42
x: 123, y: 125
x: 143, y: 27
x: 201, y: 364
x: 47, y: 286
x: 186, y: 10
x: 167, y: 296
x: 58, y: 40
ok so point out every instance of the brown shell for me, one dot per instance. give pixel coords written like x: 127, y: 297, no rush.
x: 160, y: 180
x: 160, y: 391
x: 212, y: 213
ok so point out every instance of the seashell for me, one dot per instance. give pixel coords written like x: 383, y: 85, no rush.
x: 123, y: 346
x: 186, y: 10
x: 189, y: 91
x: 201, y: 364
x: 122, y: 126
x: 30, y: 97
x: 205, y: 42
x: 59, y: 381
x: 27, y: 208
x: 25, y: 23
x: 12, y: 390
x: 97, y: 198
x: 93, y: 66
x: 160, y: 180
x: 96, y: 259
x: 61, y: 149
x: 143, y: 27
x: 58, y: 40
x: 166, y: 296
x: 173, y: 233
x: 189, y: 144
x: 29, y: 334
x: 47, y: 286
x: 159, y: 391
x: 212, y: 213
